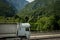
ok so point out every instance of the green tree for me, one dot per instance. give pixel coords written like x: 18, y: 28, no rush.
x: 45, y: 23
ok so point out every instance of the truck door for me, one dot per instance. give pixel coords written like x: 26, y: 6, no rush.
x: 27, y: 32
x: 21, y: 31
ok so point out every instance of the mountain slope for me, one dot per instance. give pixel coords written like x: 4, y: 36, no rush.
x: 6, y: 9
x: 11, y: 7
x: 41, y: 7
x: 18, y: 4
x: 37, y: 5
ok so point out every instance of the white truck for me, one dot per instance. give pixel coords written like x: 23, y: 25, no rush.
x: 14, y: 30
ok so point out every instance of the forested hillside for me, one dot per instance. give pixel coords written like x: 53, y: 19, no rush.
x: 9, y: 9
x: 43, y: 15
x: 18, y: 4
x: 6, y: 9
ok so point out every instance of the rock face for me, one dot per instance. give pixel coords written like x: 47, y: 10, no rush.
x: 18, y: 4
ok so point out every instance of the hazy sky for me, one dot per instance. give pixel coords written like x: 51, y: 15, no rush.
x: 29, y: 0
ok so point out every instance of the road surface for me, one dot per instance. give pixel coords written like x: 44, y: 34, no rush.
x: 31, y: 39
x: 41, y: 36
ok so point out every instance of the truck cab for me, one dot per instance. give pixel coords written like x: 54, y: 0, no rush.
x: 24, y: 30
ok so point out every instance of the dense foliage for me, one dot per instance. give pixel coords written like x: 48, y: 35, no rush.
x: 43, y: 15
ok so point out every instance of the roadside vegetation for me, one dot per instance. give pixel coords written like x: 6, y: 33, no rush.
x: 43, y: 15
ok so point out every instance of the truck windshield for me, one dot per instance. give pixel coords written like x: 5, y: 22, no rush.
x: 27, y: 29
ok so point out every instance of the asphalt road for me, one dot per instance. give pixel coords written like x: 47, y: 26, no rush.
x: 34, y: 39
x: 49, y: 33
x: 50, y: 39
